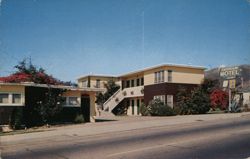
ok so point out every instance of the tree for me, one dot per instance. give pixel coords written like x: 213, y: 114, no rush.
x: 208, y: 85
x: 27, y: 72
x: 111, y: 87
x: 198, y: 101
x: 51, y: 105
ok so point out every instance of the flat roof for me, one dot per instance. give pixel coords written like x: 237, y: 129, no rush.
x: 30, y: 84
x: 144, y: 69
x: 162, y: 65
x: 97, y: 75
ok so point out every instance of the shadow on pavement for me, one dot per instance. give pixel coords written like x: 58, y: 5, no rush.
x: 104, y: 120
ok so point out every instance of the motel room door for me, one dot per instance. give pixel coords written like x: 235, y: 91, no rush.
x: 85, y: 106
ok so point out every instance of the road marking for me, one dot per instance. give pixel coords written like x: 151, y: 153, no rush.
x: 143, y: 149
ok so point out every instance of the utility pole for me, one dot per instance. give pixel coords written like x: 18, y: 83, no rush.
x: 229, y: 99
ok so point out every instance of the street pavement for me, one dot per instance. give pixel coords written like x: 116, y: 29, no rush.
x: 194, y: 136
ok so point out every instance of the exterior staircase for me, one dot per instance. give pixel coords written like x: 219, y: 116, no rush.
x: 121, y: 94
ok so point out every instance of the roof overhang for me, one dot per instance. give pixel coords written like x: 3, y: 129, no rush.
x: 30, y: 84
x: 162, y: 65
x: 96, y: 75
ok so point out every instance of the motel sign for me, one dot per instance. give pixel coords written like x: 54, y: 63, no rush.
x: 229, y: 72
x: 229, y: 75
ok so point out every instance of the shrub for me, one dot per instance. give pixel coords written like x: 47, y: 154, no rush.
x: 158, y: 108
x: 79, y: 118
x: 219, y: 99
x: 16, y: 121
x: 196, y: 102
x: 144, y: 110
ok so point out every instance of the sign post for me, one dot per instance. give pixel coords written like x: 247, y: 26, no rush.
x: 229, y: 75
x: 229, y: 100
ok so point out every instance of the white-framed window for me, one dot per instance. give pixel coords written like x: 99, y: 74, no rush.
x: 4, y: 98
x: 16, y: 98
x: 159, y: 76
x: 11, y: 98
x: 170, y: 100
x: 85, y: 84
x: 98, y: 83
x: 160, y: 97
x: 71, y: 101
x: 170, y: 78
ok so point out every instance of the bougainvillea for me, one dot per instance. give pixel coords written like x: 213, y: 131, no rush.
x: 219, y: 99
x: 16, y: 78
x: 27, y: 72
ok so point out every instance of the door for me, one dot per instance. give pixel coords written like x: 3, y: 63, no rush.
x: 85, y: 106
x: 138, y: 106
x: 133, y: 106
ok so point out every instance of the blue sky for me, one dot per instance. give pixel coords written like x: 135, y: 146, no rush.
x: 70, y: 38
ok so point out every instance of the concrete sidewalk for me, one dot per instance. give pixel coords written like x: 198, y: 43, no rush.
x: 121, y: 124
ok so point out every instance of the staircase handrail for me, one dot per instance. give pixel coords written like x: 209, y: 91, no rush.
x: 111, y: 97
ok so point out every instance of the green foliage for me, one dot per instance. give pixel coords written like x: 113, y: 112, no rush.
x: 196, y: 102
x: 17, y: 118
x: 158, y: 108
x: 111, y: 89
x: 51, y: 105
x: 79, y: 118
x: 144, y: 110
x: 27, y: 72
x: 35, y: 74
x: 209, y: 85
x: 200, y: 101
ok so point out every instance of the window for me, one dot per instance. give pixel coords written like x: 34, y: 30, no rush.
x: 72, y: 101
x: 98, y: 83
x: 159, y: 76
x: 16, y: 98
x: 127, y: 84
x: 10, y: 98
x: 4, y: 98
x: 132, y: 83
x: 170, y: 101
x: 137, y: 82
x: 160, y: 97
x: 142, y: 81
x: 170, y: 75
x: 85, y: 84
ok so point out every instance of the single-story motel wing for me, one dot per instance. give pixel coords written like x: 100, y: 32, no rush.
x: 15, y: 95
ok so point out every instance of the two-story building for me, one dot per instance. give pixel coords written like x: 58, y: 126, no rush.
x: 96, y: 81
x: 137, y: 87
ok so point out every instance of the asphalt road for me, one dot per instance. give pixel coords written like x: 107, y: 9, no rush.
x: 203, y: 139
